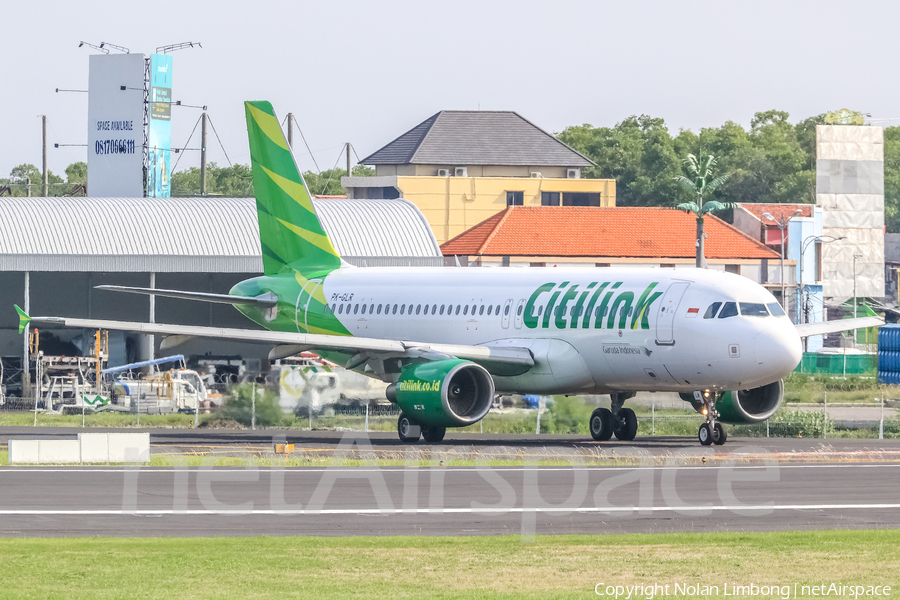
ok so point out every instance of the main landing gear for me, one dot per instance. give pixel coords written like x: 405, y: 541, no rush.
x: 711, y: 432
x: 410, y: 431
x: 619, y: 421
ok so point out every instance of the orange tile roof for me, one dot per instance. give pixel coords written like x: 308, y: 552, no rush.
x: 614, y: 232
x: 778, y: 211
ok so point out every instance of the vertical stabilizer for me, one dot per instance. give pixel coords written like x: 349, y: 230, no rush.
x: 291, y: 236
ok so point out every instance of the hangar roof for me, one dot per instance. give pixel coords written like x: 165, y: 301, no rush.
x: 187, y: 235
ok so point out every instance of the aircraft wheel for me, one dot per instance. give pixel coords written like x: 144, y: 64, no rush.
x: 705, y: 435
x: 601, y: 424
x: 433, y: 435
x: 408, y: 430
x: 628, y: 427
x: 719, y: 436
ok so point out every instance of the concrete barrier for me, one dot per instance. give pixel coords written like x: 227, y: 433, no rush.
x: 24, y: 451
x: 129, y: 447
x: 59, y: 451
x: 94, y: 447
x: 88, y: 448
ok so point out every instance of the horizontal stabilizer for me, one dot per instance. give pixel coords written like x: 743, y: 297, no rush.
x: 808, y: 329
x: 268, y: 299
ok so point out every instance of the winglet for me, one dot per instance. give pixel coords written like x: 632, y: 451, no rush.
x: 24, y: 319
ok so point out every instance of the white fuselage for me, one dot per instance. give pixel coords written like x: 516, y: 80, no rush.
x: 585, y: 336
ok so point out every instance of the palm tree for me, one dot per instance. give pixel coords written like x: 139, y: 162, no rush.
x: 700, y: 183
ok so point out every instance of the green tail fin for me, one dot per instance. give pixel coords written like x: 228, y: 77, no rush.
x: 290, y: 233
x: 24, y: 319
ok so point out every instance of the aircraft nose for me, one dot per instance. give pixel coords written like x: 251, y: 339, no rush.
x: 778, y: 349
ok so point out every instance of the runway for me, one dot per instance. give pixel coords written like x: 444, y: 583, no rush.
x: 132, y: 501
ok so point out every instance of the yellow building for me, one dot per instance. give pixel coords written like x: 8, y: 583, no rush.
x: 462, y: 167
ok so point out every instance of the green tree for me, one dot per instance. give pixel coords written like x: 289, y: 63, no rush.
x: 639, y: 153
x: 892, y: 179
x: 701, y: 182
x: 77, y: 173
x: 21, y: 174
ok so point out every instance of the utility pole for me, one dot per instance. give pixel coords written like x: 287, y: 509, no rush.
x: 203, y: 154
x: 46, y: 173
x: 348, y: 159
x: 290, y: 130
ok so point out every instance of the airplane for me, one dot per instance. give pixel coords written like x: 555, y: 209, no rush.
x: 447, y: 340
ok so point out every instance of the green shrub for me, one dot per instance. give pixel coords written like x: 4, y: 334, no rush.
x: 238, y: 406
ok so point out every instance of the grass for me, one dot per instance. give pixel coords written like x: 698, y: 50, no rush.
x: 438, y: 567
x: 102, y: 419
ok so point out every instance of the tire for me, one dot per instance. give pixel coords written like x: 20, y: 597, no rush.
x: 433, y: 435
x: 628, y: 428
x: 705, y: 435
x: 405, y: 427
x: 719, y: 436
x: 601, y: 424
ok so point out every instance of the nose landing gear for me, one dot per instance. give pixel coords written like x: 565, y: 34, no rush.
x: 711, y: 432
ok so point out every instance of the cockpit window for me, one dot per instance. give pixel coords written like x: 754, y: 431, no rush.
x: 712, y: 310
x: 729, y: 310
x: 752, y: 309
x: 775, y: 309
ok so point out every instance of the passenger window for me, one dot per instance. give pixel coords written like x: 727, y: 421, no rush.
x: 402, y: 308
x: 540, y: 310
x: 712, y: 310
x: 506, y: 310
x: 355, y: 308
x: 409, y: 309
x: 341, y: 309
x: 371, y: 309
x: 497, y: 310
x: 490, y: 309
x: 378, y: 310
x: 418, y: 308
x: 434, y: 309
x: 775, y: 309
x: 519, y: 310
x: 395, y: 310
x: 363, y: 309
x: 473, y: 309
x: 481, y: 309
x: 442, y: 309
x: 752, y: 309
x: 466, y: 309
x: 729, y: 310
x: 457, y: 309
x: 333, y: 308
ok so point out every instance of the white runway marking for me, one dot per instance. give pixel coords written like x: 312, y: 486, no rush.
x: 439, y: 511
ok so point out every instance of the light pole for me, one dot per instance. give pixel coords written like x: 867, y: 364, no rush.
x: 782, y: 225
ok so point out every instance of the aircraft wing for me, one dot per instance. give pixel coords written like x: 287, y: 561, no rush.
x: 497, y: 360
x: 262, y: 300
x: 808, y: 329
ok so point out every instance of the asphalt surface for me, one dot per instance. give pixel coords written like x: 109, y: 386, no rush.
x: 132, y: 501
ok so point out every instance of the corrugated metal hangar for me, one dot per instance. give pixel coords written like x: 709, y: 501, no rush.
x: 53, y: 251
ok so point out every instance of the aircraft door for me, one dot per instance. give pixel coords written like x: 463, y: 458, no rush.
x: 303, y: 304
x: 506, y: 310
x: 665, y: 320
x: 520, y: 309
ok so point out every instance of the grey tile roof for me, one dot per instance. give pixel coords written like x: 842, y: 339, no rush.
x: 468, y: 137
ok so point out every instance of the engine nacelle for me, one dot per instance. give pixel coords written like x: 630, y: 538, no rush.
x: 746, y: 406
x: 444, y: 393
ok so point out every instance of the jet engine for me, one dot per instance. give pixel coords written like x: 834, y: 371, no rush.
x: 443, y: 393
x: 746, y: 406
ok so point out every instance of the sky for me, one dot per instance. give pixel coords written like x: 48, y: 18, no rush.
x: 366, y: 72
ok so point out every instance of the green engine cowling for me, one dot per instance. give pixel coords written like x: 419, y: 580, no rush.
x: 745, y: 406
x: 444, y: 393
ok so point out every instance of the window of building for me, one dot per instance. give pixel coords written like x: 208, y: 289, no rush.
x: 736, y: 269
x: 515, y: 198
x: 580, y: 199
x: 549, y: 198
x: 538, y: 264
